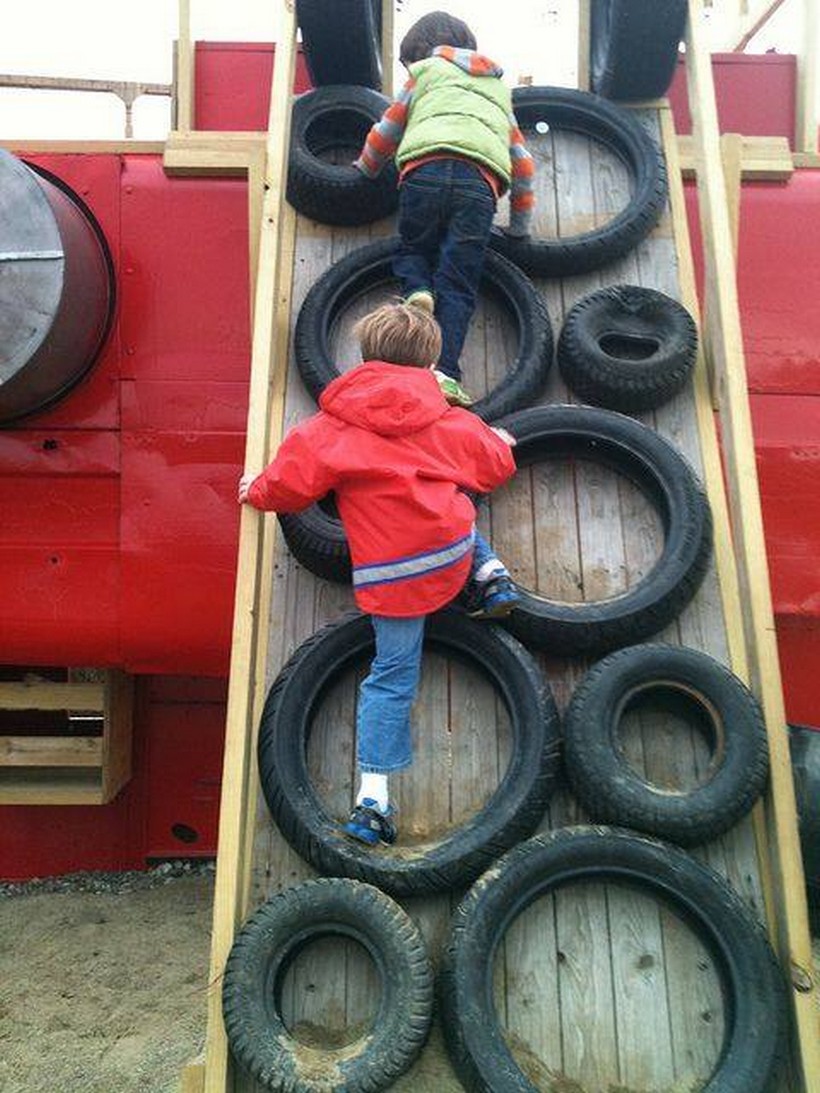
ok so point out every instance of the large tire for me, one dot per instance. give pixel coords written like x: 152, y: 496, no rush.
x: 458, y: 855
x: 633, y: 46
x: 756, y: 998
x: 342, y: 41
x: 612, y: 791
x: 658, y: 469
x: 337, y: 118
x: 563, y: 108
x: 261, y: 953
x: 805, y: 753
x: 372, y: 265
x: 627, y: 348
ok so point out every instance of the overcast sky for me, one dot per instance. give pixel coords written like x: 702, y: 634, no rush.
x: 112, y: 39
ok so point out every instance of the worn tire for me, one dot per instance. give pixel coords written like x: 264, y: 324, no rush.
x: 661, y: 472
x: 627, y: 348
x: 612, y: 791
x: 633, y: 46
x: 756, y: 997
x: 339, y: 194
x: 258, y: 1037
x: 372, y: 265
x: 458, y: 856
x: 581, y: 112
x: 342, y: 41
x: 805, y: 754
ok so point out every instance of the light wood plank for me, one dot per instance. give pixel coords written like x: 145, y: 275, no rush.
x: 43, y: 695
x: 50, y: 751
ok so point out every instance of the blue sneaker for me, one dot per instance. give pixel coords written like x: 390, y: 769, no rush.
x: 369, y: 825
x: 494, y: 599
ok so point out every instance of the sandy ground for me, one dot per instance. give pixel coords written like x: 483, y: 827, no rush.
x: 102, y: 981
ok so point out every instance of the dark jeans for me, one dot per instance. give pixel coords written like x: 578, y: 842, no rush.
x: 446, y: 210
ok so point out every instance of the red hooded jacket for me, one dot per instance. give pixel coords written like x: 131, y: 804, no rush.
x: 399, y: 459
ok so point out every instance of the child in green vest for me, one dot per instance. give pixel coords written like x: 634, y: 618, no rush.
x: 458, y: 148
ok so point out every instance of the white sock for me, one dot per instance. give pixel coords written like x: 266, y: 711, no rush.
x: 373, y: 786
x: 490, y: 569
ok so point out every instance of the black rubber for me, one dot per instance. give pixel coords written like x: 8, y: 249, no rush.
x: 658, y: 469
x: 341, y: 40
x: 633, y: 46
x: 262, y: 951
x: 627, y: 348
x: 610, y: 788
x: 372, y: 265
x: 805, y: 754
x: 756, y: 1000
x: 459, y: 854
x: 337, y: 119
x: 615, y: 127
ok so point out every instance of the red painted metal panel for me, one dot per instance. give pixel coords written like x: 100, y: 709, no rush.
x: 799, y: 645
x: 232, y: 87
x: 755, y: 94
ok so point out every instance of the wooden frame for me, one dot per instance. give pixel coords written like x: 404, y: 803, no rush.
x: 68, y: 770
x: 725, y: 346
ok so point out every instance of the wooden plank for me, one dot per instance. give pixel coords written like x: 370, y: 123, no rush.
x: 50, y: 751
x: 762, y: 158
x: 117, y: 733
x: 85, y: 147
x: 44, y: 695
x: 183, y: 102
x: 388, y: 35
x: 584, y: 13
x: 233, y: 870
x: 32, y: 787
x: 744, y: 501
x: 805, y: 114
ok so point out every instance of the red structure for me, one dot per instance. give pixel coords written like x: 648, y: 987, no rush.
x: 119, y: 530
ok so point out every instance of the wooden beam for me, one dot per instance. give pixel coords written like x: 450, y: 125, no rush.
x: 75, y: 788
x: 805, y: 135
x: 761, y: 158
x: 84, y: 147
x: 50, y: 751
x: 117, y: 733
x: 793, y: 941
x: 388, y: 32
x: 44, y: 695
x: 584, y: 17
x: 250, y: 613
x: 184, y: 71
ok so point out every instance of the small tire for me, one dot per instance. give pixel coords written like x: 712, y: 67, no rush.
x: 755, y: 1042
x: 610, y: 125
x: 259, y: 1039
x: 460, y: 854
x: 372, y: 265
x: 627, y: 348
x: 612, y: 791
x: 342, y: 41
x: 661, y: 472
x: 337, y: 194
x: 633, y: 47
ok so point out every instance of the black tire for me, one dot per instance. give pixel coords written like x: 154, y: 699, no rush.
x: 805, y: 753
x: 372, y: 265
x: 341, y: 40
x: 460, y: 854
x: 662, y: 473
x: 627, y: 348
x: 633, y: 47
x: 581, y: 112
x: 754, y: 989
x: 317, y: 540
x: 339, y: 118
x: 263, y: 948
x: 612, y: 791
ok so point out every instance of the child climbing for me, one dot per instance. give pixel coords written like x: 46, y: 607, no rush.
x: 399, y: 459
x: 458, y: 148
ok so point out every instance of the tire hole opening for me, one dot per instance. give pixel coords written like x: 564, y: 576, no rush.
x: 628, y: 347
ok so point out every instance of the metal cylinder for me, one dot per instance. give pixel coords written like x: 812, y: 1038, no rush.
x: 56, y: 290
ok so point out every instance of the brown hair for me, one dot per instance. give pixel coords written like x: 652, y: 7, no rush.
x: 436, y: 29
x: 399, y: 334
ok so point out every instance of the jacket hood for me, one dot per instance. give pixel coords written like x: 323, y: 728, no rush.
x: 388, y: 399
x: 470, y: 60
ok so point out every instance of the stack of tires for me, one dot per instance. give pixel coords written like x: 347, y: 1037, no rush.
x: 621, y: 349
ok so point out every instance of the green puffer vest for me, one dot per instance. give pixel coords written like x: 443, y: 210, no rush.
x: 452, y: 111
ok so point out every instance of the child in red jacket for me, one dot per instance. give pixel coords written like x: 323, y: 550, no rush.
x: 400, y: 461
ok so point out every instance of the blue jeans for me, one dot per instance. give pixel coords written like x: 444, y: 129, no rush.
x: 383, y: 737
x: 446, y: 210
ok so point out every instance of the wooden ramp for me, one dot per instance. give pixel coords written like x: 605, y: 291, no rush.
x: 598, y: 985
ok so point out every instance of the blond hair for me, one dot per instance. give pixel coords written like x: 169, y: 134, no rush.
x: 399, y: 334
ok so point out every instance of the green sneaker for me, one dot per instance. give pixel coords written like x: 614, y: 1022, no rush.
x: 452, y: 390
